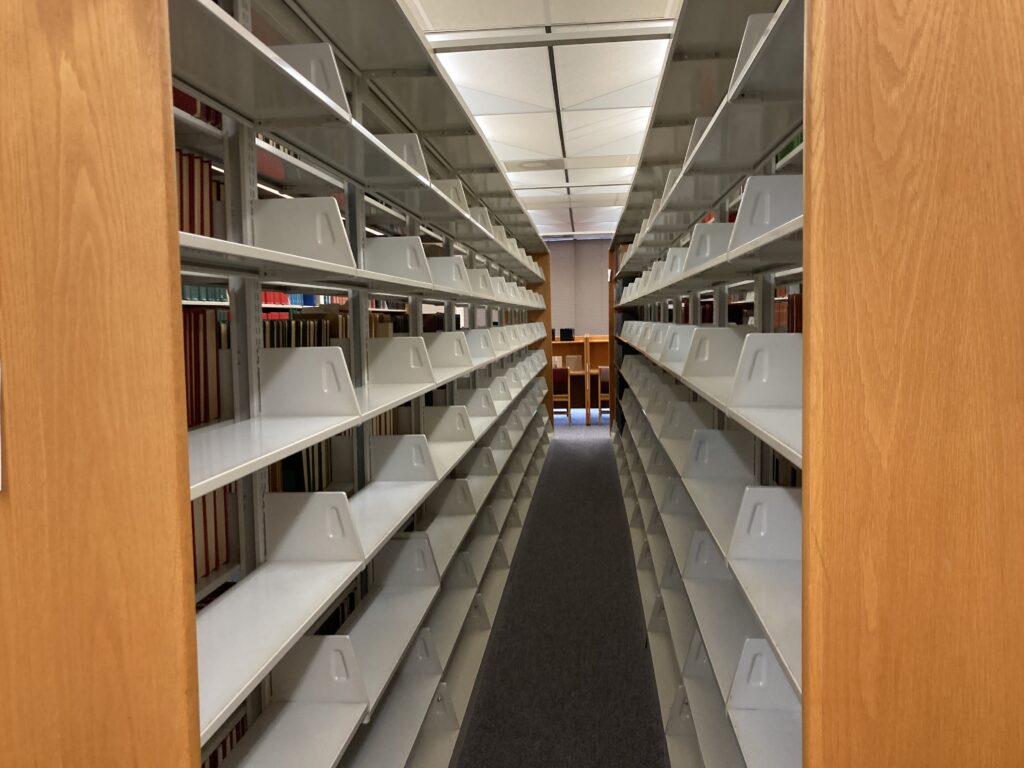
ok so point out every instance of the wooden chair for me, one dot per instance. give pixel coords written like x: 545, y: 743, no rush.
x: 604, y: 392
x: 560, y: 392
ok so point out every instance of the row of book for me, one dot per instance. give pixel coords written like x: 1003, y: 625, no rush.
x: 308, y: 471
x: 297, y: 332
x: 190, y: 105
x: 228, y: 743
x: 200, y: 196
x: 204, y: 293
x: 210, y: 531
x: 204, y: 334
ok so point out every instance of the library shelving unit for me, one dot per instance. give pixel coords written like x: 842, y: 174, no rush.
x: 348, y: 625
x: 709, y: 423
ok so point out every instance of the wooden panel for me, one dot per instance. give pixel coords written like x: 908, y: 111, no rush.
x: 914, y: 428
x: 97, y: 646
x: 544, y: 316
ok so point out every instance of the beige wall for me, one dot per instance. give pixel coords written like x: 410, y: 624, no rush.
x: 579, y: 286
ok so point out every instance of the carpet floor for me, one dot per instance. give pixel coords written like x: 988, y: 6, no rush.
x: 567, y: 680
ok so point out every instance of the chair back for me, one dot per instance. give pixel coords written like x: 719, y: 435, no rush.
x: 560, y: 380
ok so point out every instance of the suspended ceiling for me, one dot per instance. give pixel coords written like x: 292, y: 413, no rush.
x: 563, y: 92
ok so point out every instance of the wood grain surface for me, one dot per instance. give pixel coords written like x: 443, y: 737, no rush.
x: 97, y: 646
x: 914, y: 384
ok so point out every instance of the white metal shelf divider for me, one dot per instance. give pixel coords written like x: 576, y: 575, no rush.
x: 389, y: 738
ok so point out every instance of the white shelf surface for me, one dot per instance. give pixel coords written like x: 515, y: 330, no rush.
x: 718, y: 744
x: 465, y: 664
x: 241, y: 635
x: 773, y: 588
x: 382, y: 508
x: 781, y: 428
x: 718, y: 500
x: 769, y: 738
x: 725, y: 622
x: 222, y: 453
x: 309, y: 733
x: 383, y: 630
x: 666, y: 670
x: 447, y: 618
x: 389, y: 739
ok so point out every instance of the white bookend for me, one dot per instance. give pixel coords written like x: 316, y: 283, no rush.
x: 481, y: 282
x: 316, y: 63
x: 676, y: 348
x: 767, y: 391
x: 718, y: 472
x: 305, y: 226
x: 449, y: 355
x: 711, y: 364
x: 398, y: 257
x: 481, y: 347
x: 723, y: 615
x: 715, y: 734
x: 387, y: 621
x: 407, y: 147
x: 450, y: 273
x: 709, y: 244
x: 453, y: 510
x: 401, y: 458
x: 772, y: 209
x: 454, y: 191
x: 752, y: 33
x: 765, y: 555
x: 317, y: 691
x: 765, y: 712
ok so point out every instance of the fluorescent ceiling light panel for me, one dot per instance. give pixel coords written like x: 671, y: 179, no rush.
x: 622, y: 175
x: 537, y: 178
x: 629, y: 74
x: 605, y: 131
x: 522, y: 137
x: 455, y: 15
x: 486, y: 82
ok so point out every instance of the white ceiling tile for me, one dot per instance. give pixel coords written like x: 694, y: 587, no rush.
x: 605, y: 131
x: 450, y: 15
x: 522, y: 137
x: 592, y: 215
x: 483, y: 79
x: 536, y: 178
x: 531, y: 196
x: 554, y: 217
x: 628, y: 74
x: 612, y: 189
x: 621, y: 175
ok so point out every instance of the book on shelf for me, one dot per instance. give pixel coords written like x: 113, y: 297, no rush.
x: 200, y: 196
x: 204, y: 333
x: 210, y: 531
x: 228, y: 743
x: 190, y: 105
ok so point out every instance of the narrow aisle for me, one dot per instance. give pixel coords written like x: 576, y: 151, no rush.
x: 567, y: 678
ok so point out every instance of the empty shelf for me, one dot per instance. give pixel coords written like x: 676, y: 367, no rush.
x: 222, y: 453
x: 389, y: 740
x: 666, y: 670
x: 383, y: 630
x: 718, y: 500
x: 243, y: 633
x: 725, y: 622
x: 381, y: 509
x: 447, y: 618
x: 773, y: 588
x: 769, y: 738
x: 308, y: 733
x: 781, y: 428
x: 715, y: 734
